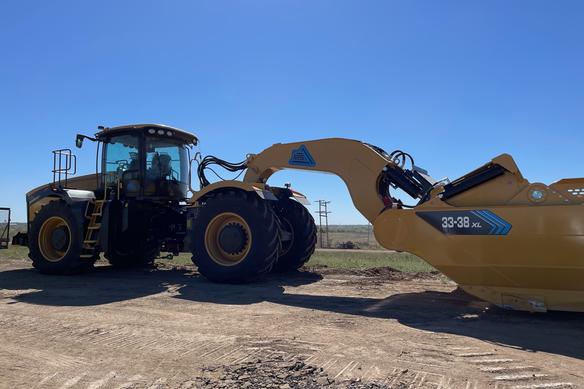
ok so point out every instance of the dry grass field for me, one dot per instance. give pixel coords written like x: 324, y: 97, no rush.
x: 362, y: 235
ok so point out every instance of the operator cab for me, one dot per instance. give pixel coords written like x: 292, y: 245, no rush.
x: 145, y: 161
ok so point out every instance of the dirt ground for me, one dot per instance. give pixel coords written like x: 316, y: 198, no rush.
x: 170, y: 328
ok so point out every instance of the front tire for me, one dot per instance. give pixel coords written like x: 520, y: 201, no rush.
x: 55, y: 240
x: 296, y: 218
x: 235, y: 237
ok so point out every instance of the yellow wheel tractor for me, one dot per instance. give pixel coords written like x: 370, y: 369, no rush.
x: 135, y: 207
x: 517, y: 244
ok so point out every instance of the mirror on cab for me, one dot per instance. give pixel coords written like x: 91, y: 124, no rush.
x: 79, y: 141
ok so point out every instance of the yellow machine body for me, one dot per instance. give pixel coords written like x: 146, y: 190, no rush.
x: 516, y: 244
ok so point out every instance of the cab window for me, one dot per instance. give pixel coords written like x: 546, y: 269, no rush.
x: 166, y: 168
x: 122, y: 163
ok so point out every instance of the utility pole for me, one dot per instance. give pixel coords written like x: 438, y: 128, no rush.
x: 323, y: 215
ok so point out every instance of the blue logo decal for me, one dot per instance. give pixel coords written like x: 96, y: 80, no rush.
x: 301, y: 157
x: 498, y: 225
x: 475, y: 222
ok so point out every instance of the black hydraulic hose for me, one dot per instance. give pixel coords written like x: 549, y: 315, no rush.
x: 399, y: 158
x: 212, y: 160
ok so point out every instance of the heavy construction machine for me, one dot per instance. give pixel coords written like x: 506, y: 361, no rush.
x: 516, y: 244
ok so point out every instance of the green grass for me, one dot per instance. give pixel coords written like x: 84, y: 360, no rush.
x: 404, y: 262
x: 14, y: 252
x: 181, y: 259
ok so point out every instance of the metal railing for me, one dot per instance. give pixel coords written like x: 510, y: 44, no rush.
x: 64, y: 165
x: 4, y: 227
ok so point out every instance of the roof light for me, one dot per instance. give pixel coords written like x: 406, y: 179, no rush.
x: 152, y: 131
x: 169, y: 133
x: 160, y: 132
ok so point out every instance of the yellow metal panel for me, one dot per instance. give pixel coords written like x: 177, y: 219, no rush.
x: 226, y: 184
x: 542, y: 255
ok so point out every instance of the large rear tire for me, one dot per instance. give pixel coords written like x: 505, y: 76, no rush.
x: 55, y: 240
x: 235, y: 237
x: 296, y: 219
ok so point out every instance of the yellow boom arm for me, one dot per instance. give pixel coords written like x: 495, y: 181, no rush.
x: 356, y: 163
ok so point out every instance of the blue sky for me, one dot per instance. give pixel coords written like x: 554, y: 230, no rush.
x: 455, y: 83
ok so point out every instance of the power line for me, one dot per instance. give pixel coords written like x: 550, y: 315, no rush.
x: 323, y: 215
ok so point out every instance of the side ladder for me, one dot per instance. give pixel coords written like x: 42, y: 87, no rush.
x: 92, y: 234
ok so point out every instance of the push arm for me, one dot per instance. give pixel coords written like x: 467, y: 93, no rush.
x: 365, y: 170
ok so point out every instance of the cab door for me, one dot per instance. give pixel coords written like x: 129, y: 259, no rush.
x: 122, y: 165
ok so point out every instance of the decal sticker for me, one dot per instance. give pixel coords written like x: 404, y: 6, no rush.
x: 301, y: 157
x: 477, y: 222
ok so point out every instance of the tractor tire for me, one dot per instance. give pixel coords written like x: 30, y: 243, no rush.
x: 295, y: 217
x: 139, y: 257
x: 55, y: 240
x: 235, y: 237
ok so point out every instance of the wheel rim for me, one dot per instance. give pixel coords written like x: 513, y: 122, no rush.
x: 54, y: 239
x: 228, y: 239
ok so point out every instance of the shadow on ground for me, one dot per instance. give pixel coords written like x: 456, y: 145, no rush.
x: 106, y: 285
x: 454, y: 313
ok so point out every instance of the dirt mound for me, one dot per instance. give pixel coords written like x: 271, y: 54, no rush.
x: 275, y: 373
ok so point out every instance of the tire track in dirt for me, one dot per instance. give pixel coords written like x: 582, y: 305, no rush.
x: 510, y: 372
x: 406, y: 374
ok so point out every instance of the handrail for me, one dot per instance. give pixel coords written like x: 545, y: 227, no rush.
x: 4, y: 242
x: 64, y: 165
